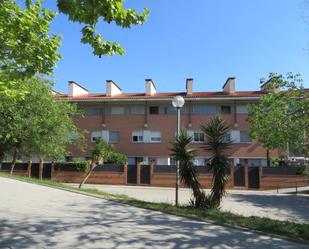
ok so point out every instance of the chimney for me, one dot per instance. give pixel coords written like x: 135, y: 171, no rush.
x: 76, y: 89
x: 229, y: 86
x: 54, y: 93
x: 189, y: 86
x: 150, y: 88
x: 265, y: 86
x: 112, y: 88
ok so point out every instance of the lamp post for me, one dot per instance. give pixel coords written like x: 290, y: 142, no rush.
x: 178, y: 103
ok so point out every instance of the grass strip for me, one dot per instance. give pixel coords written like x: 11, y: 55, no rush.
x: 283, y: 228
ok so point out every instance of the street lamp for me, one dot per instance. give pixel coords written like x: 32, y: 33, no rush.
x: 178, y: 103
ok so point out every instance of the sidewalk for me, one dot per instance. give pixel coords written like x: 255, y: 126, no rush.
x: 282, y: 206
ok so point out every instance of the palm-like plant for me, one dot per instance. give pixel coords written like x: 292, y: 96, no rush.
x: 216, y: 132
x: 182, y: 152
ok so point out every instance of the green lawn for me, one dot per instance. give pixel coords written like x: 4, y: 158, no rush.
x: 286, y: 228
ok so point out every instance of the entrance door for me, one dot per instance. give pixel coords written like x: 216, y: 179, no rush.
x: 145, y: 174
x: 131, y: 177
x: 35, y: 170
x: 239, y: 176
x: 47, y: 171
x: 253, y: 177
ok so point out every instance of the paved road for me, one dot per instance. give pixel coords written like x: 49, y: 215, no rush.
x: 248, y: 203
x: 33, y: 216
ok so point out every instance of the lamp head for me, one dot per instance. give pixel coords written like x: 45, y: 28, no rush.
x: 178, y: 102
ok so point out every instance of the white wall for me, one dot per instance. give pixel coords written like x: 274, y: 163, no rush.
x: 76, y: 90
x: 112, y: 89
x: 150, y: 88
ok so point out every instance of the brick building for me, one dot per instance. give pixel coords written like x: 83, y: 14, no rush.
x: 142, y: 125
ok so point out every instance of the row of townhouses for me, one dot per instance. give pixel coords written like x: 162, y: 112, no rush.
x: 142, y: 125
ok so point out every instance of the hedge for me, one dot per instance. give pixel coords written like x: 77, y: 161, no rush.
x: 81, y: 166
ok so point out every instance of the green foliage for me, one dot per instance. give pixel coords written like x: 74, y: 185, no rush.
x: 37, y: 124
x: 90, y: 12
x: 81, y: 166
x: 26, y: 46
x: 216, y: 131
x: 282, y: 115
x: 117, y: 158
x: 103, y: 152
x: 182, y: 152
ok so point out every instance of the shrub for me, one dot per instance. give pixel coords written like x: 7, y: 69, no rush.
x: 117, y: 158
x: 81, y: 166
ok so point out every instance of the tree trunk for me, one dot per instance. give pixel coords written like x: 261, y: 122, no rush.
x: 1, y: 159
x: 41, y: 167
x: 13, y: 161
x: 92, y: 167
x: 267, y: 156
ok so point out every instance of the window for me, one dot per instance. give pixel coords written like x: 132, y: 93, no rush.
x: 95, y: 135
x: 155, y: 137
x: 113, y: 137
x: 199, y: 161
x: 93, y: 111
x: 198, y: 137
x: 137, y: 137
x: 245, y: 137
x: 204, y: 109
x: 162, y: 161
x: 154, y: 110
x: 225, y: 109
x: 146, y: 136
x: 241, y: 109
x: 227, y: 139
x: 136, y: 110
x: 117, y: 110
x: 170, y: 110
x: 173, y: 161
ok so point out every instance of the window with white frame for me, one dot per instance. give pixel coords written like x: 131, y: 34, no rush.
x: 225, y: 109
x: 155, y: 137
x: 198, y: 137
x: 153, y: 110
x: 199, y: 161
x: 95, y: 135
x: 113, y: 137
x: 137, y: 110
x: 146, y: 136
x: 137, y: 137
x: 227, y: 139
x: 204, y: 109
x: 117, y: 110
x: 241, y: 109
x: 245, y: 137
x: 93, y: 111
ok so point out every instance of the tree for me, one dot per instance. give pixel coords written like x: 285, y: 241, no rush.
x: 26, y: 46
x: 216, y: 132
x: 91, y: 11
x: 37, y: 124
x: 281, y: 116
x: 188, y: 173
x: 102, y: 152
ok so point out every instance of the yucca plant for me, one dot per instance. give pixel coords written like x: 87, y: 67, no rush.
x: 187, y: 171
x: 217, y: 143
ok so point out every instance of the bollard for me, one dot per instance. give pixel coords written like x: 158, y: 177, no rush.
x: 296, y: 188
x: 277, y: 189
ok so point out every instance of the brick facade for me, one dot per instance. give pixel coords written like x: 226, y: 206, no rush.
x: 118, y: 113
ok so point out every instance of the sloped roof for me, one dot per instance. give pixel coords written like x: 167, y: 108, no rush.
x: 166, y: 95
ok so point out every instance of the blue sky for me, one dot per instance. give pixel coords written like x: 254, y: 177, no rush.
x: 204, y: 39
